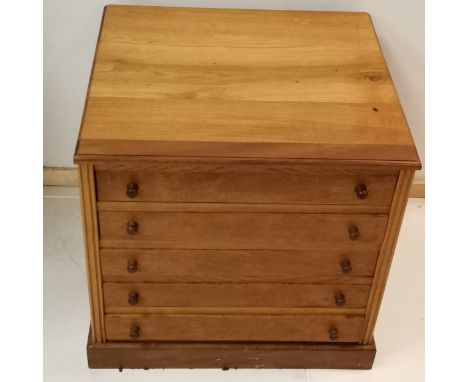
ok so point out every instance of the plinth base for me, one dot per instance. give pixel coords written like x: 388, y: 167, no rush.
x: 227, y: 355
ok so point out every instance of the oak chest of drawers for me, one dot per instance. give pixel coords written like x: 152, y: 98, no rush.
x: 243, y: 176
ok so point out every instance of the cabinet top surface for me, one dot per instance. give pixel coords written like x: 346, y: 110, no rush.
x: 241, y: 83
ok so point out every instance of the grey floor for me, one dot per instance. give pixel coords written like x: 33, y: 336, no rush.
x: 399, y: 333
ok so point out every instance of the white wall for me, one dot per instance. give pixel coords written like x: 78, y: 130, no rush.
x: 71, y: 28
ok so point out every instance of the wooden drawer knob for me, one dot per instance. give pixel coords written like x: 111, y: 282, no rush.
x: 132, y: 227
x: 133, y: 298
x: 132, y: 190
x: 353, y: 232
x: 340, y: 299
x: 345, y: 267
x: 361, y: 191
x: 132, y: 266
x: 134, y: 332
x: 333, y: 334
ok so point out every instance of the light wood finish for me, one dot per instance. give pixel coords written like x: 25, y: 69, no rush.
x: 241, y: 230
x: 106, y: 161
x: 143, y: 162
x: 68, y: 176
x: 167, y: 82
x: 163, y: 265
x: 257, y: 183
x: 187, y: 327
x: 91, y: 244
x: 234, y: 295
x: 271, y: 311
x: 236, y: 207
x: 225, y: 355
x: 243, y: 175
x: 386, y: 253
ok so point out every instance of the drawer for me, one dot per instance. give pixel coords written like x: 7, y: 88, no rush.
x: 242, y: 295
x: 203, y: 265
x: 246, y: 183
x: 197, y: 230
x: 242, y: 327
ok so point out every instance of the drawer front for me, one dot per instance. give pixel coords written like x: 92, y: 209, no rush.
x: 206, y: 327
x: 242, y: 230
x: 141, y: 295
x: 178, y: 265
x: 247, y: 183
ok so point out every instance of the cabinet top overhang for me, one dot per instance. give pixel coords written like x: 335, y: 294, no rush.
x: 198, y: 82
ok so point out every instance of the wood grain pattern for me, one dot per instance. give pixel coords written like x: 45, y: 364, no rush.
x: 387, y: 250
x: 119, y: 355
x: 187, y: 327
x: 91, y: 244
x: 91, y: 76
x: 106, y: 162
x: 241, y: 230
x: 165, y: 265
x: 228, y: 311
x: 256, y: 183
x: 167, y: 82
x: 247, y: 207
x: 234, y: 295
x: 244, y: 134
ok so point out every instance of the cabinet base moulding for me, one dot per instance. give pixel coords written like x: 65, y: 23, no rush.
x: 229, y: 355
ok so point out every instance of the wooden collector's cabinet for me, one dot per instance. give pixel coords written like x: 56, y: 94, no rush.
x: 244, y: 176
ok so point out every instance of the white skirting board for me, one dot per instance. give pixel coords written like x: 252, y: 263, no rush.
x: 68, y: 176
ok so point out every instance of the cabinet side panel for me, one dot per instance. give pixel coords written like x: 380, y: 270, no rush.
x: 91, y: 245
x: 387, y: 250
